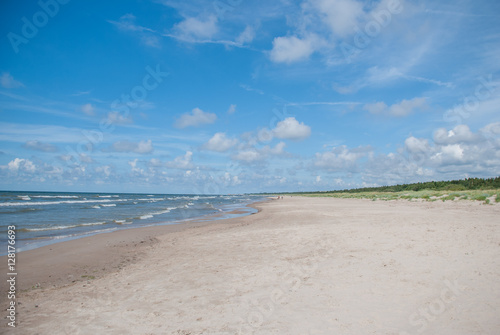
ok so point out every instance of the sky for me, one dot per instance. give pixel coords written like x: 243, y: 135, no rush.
x: 235, y: 96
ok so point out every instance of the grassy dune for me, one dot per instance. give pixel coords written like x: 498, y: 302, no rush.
x: 487, y: 196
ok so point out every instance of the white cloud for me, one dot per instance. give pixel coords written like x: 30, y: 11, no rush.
x: 182, y: 162
x: 258, y: 154
x: 128, y: 23
x: 151, y: 41
x: 264, y: 135
x: 407, y: 107
x: 292, y: 49
x: 246, y: 36
x: 449, y: 154
x: 193, y: 27
x: 104, y: 170
x: 21, y: 165
x: 143, y: 147
x: 86, y: 158
x: 118, y: 118
x: 341, y: 158
x: 492, y: 129
x: 415, y: 145
x: 460, y: 133
x: 249, y: 156
x: 88, y: 109
x: 403, y: 108
x: 40, y: 146
x: 220, y: 143
x: 279, y: 149
x: 376, y: 108
x: 291, y: 129
x: 155, y: 162
x: 7, y: 81
x: 340, y: 15
x: 231, y: 109
x: 196, y: 118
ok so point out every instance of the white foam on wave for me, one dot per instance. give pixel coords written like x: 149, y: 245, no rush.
x: 44, y: 203
x: 108, y: 205
x: 24, y: 197
x: 93, y: 223
x: 145, y: 217
x: 151, y: 199
x: 56, y: 196
x: 65, y: 227
x: 165, y: 211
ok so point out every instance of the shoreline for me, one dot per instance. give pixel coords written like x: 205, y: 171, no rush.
x: 99, y: 254
x: 225, y: 211
x: 298, y: 266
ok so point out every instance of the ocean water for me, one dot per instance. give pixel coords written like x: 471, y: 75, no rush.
x: 43, y: 218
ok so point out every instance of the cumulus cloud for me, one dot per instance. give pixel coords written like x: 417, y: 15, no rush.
x: 264, y: 135
x: 142, y: 147
x: 291, y: 49
x: 449, y: 154
x: 403, y: 108
x: 40, y: 146
x: 182, y: 162
x: 249, y: 156
x: 341, y: 158
x: 88, y: 109
x: 21, y: 165
x: 460, y: 133
x: 195, y: 118
x: 259, y: 154
x: 278, y: 149
x: 291, y: 129
x: 491, y: 129
x: 340, y: 15
x: 220, y: 143
x: 415, y: 145
x: 7, y: 81
x: 193, y: 27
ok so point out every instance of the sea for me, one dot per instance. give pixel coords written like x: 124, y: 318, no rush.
x: 43, y: 218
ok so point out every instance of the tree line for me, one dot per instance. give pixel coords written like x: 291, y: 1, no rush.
x: 448, y: 185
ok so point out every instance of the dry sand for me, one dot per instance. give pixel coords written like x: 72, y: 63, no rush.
x: 300, y: 266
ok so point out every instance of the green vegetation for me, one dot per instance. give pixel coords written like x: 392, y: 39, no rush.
x: 472, y: 189
x: 452, y: 185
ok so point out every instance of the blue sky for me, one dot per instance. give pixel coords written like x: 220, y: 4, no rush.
x: 237, y: 96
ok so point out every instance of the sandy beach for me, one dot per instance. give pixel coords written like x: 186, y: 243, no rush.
x: 299, y: 266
